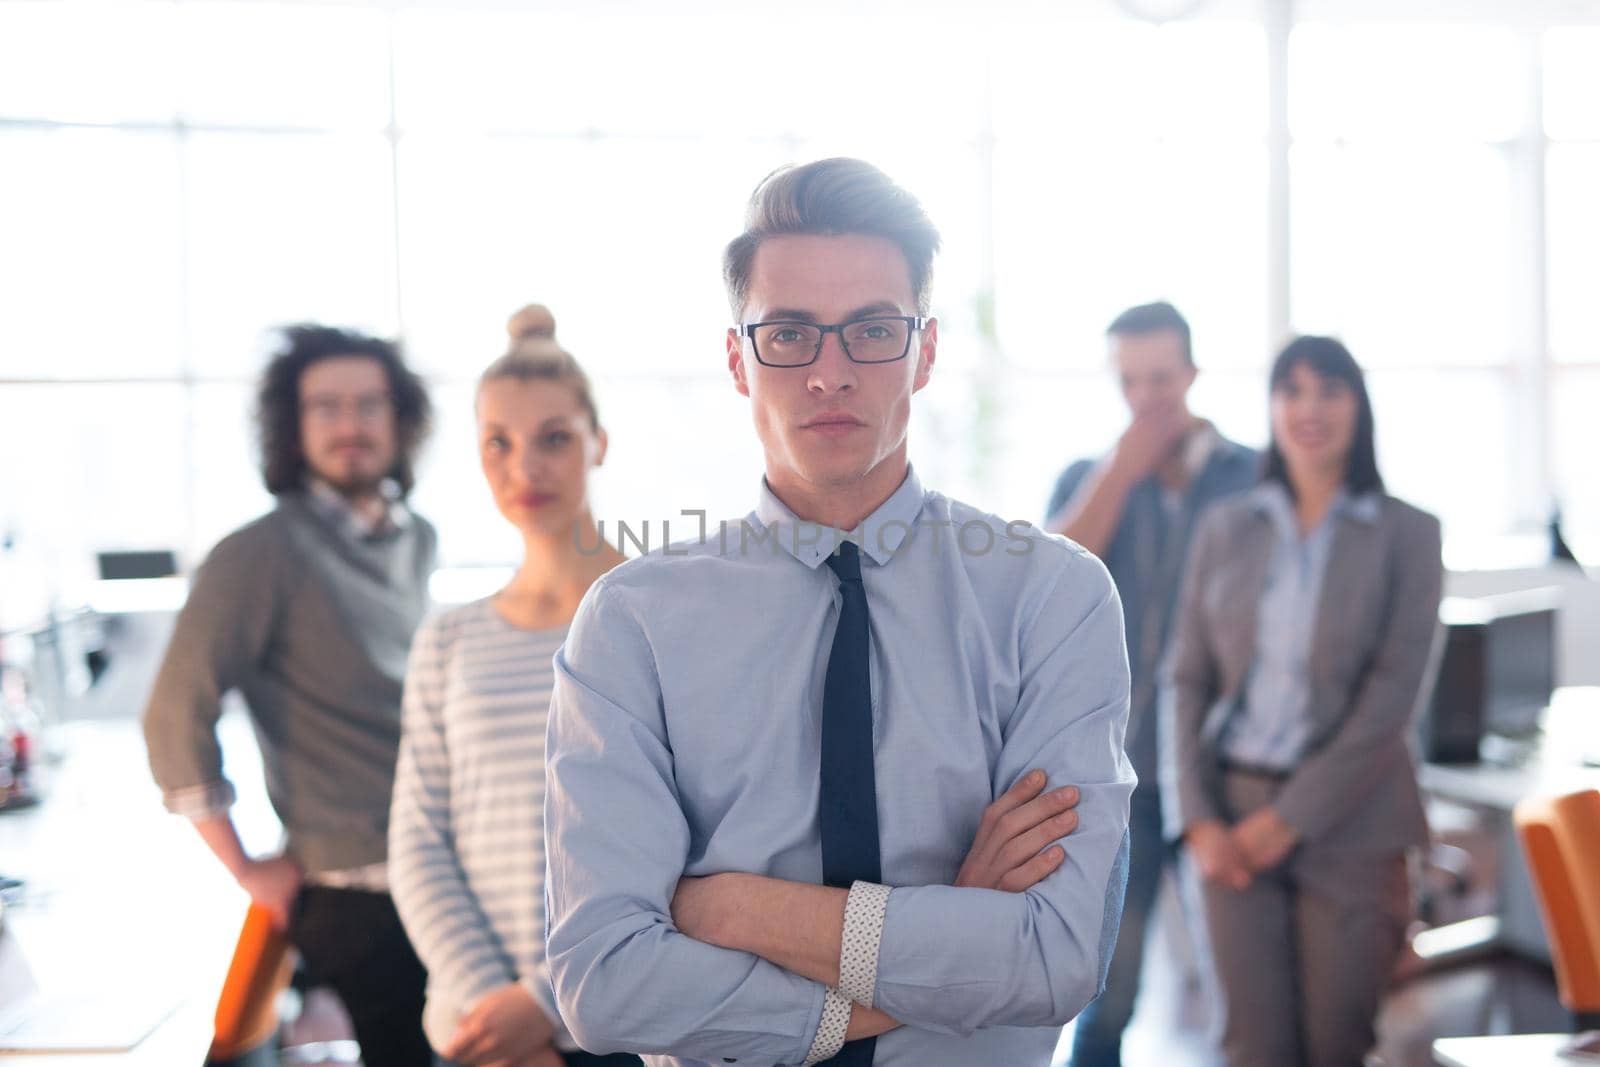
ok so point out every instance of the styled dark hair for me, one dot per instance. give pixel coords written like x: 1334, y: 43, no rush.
x: 832, y: 197
x: 283, y: 465
x: 535, y: 356
x: 1154, y: 318
x: 1327, y: 358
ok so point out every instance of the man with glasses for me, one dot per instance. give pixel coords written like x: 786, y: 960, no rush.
x: 308, y: 613
x: 843, y: 783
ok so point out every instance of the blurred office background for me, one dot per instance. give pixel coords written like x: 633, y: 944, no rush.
x: 1417, y: 177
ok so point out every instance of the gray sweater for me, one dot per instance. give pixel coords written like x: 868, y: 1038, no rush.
x: 312, y: 626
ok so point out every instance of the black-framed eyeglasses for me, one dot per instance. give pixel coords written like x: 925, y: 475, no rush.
x: 875, y: 339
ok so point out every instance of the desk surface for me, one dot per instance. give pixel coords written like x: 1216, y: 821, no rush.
x: 1558, y: 764
x: 1523, y: 1050
x: 118, y: 895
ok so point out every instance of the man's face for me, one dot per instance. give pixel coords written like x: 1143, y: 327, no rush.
x: 347, y: 424
x: 1153, y: 371
x: 828, y: 425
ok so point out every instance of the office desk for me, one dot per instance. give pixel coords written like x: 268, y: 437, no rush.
x: 1560, y: 762
x: 119, y: 895
x: 1523, y: 1050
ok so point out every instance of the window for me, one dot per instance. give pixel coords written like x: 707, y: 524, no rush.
x: 112, y: 61
x: 176, y: 177
x: 285, y: 227
x: 92, y: 268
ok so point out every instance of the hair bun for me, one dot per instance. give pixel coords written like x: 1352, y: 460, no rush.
x: 534, y: 320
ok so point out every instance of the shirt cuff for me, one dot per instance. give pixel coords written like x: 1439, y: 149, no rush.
x: 831, y: 1030
x: 864, y: 912
x: 200, y: 802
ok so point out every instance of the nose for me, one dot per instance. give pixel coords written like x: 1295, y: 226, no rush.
x: 833, y: 372
x: 529, y: 464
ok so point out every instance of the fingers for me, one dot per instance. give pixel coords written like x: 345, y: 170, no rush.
x: 485, y: 1047
x: 1029, y: 843
x: 1026, y: 788
x: 1223, y: 865
x: 1230, y: 876
x: 1036, y: 812
x: 1034, y: 871
x: 464, y: 1044
x: 1255, y: 852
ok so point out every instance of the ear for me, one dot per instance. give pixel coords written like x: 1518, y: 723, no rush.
x: 736, y: 362
x: 927, y: 353
x: 601, y: 442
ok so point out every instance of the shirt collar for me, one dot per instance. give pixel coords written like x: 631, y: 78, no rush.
x: 1271, y: 498
x: 1203, y: 442
x: 329, y: 503
x: 878, y: 536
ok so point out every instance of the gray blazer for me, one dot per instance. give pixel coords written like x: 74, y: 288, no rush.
x: 1376, y: 631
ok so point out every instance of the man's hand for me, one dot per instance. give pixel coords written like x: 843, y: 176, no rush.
x: 1010, y: 853
x: 506, y: 1025
x: 1147, y: 442
x: 1010, y: 850
x: 272, y: 883
x: 1263, y: 839
x: 1214, y: 852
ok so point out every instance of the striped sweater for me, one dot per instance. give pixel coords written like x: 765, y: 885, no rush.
x: 466, y: 832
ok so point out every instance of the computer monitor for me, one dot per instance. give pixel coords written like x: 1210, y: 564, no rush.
x: 1522, y: 670
x: 117, y: 566
x: 1496, y: 673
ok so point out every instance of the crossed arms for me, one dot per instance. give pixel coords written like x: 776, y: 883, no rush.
x: 629, y: 976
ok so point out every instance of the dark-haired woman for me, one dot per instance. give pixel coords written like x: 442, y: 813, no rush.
x: 466, y: 833
x: 1307, y: 615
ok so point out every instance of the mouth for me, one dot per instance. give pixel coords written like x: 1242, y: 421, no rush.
x: 833, y: 423
x: 534, y: 500
x: 1311, y: 436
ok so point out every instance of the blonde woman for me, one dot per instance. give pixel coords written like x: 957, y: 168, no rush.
x: 466, y: 834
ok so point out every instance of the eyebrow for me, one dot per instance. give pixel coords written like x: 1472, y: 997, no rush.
x: 554, y: 422
x: 334, y: 394
x: 879, y: 307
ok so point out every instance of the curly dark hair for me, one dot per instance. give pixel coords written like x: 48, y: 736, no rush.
x: 283, y: 465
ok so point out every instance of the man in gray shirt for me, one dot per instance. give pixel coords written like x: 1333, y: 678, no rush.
x: 788, y: 809
x: 308, y: 613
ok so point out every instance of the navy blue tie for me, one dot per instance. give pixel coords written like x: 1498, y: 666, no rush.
x: 849, y: 796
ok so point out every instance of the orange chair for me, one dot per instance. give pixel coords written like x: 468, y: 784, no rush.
x: 246, y: 1014
x: 1561, y: 839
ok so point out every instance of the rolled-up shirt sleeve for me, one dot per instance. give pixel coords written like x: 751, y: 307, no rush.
x: 222, y: 632
x: 625, y: 979
x: 954, y: 960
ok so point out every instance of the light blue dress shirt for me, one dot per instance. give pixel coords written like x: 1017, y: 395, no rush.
x: 1271, y: 727
x: 685, y: 737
